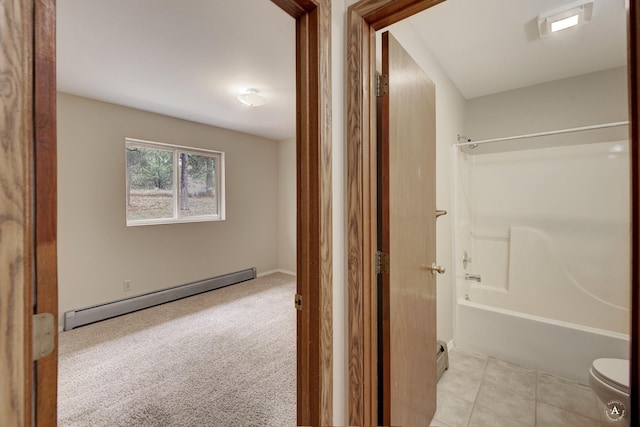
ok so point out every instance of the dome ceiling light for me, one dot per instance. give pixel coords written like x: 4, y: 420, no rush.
x: 251, y: 98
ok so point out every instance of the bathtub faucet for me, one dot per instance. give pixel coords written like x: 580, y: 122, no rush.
x: 475, y: 277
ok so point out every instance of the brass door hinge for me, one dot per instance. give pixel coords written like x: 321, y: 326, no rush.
x: 382, y: 263
x: 298, y: 302
x: 382, y: 84
x: 43, y: 335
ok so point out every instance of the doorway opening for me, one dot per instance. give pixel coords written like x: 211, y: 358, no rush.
x: 364, y: 19
x: 313, y: 135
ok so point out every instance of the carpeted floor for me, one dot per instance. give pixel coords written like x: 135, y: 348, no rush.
x: 223, y: 358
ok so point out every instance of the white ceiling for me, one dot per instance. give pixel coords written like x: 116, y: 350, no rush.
x: 188, y: 59
x: 490, y: 46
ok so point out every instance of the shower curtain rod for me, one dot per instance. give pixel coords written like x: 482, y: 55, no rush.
x: 468, y: 141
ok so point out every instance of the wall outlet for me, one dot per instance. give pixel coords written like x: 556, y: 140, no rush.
x: 127, y: 285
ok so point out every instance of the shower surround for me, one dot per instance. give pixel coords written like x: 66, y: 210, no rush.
x: 547, y: 232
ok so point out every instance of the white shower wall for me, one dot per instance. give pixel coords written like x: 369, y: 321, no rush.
x: 549, y: 233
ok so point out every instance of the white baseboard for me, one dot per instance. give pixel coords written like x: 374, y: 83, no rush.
x: 280, y: 270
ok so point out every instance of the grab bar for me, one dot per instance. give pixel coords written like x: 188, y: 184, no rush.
x: 475, y: 277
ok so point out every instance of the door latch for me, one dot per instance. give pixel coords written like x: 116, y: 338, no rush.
x: 298, y: 302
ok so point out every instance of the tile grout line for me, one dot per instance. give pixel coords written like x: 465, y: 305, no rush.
x: 475, y: 399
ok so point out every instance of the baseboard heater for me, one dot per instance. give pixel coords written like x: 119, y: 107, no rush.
x: 85, y: 316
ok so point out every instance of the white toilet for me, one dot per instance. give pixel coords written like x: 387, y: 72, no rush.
x: 609, y: 380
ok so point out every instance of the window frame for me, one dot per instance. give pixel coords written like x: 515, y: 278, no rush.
x: 219, y: 177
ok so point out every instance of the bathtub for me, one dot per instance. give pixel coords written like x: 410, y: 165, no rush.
x: 558, y: 348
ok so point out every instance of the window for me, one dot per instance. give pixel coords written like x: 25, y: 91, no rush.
x: 169, y: 183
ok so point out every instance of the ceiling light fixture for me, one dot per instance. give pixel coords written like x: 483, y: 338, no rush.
x: 570, y: 15
x: 251, y: 98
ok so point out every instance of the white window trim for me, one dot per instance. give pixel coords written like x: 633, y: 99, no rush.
x: 220, y: 179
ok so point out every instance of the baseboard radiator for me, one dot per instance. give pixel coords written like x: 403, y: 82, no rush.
x: 85, y: 316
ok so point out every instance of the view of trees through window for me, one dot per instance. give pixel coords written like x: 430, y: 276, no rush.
x: 171, y: 183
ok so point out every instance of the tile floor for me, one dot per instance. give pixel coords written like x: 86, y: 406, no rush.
x: 478, y: 390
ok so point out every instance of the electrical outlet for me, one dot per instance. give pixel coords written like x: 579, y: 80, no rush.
x: 127, y: 285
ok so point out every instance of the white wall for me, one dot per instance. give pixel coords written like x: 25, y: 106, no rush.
x: 287, y: 205
x: 97, y: 251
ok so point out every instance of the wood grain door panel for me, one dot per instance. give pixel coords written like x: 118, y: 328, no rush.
x: 408, y: 236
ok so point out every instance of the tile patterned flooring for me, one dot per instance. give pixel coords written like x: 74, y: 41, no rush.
x: 478, y: 390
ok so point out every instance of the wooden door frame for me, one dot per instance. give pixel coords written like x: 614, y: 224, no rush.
x: 314, y: 209
x: 16, y: 207
x: 28, y: 207
x: 364, y: 19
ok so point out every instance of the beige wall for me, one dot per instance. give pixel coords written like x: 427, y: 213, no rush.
x: 97, y: 252
x: 287, y: 205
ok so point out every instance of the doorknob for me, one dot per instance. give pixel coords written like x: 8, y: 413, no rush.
x: 439, y: 213
x: 437, y: 269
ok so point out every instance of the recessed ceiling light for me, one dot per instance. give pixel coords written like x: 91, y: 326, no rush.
x: 570, y: 15
x: 565, y: 23
x: 251, y: 98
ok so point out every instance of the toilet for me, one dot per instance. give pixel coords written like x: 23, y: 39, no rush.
x: 609, y: 380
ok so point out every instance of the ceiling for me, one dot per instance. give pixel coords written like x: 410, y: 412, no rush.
x: 186, y: 59
x: 189, y: 59
x: 490, y: 46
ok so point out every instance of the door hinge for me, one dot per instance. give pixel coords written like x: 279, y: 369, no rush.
x: 382, y: 263
x: 382, y: 84
x: 43, y: 335
x: 298, y: 302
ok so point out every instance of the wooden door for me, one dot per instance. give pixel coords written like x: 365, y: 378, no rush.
x: 408, y: 237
